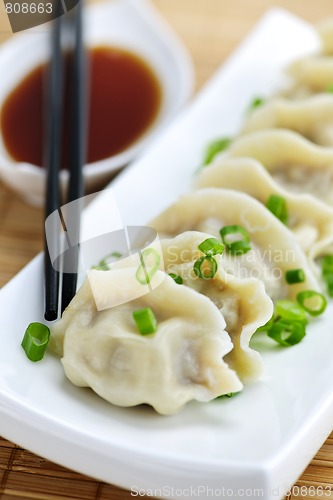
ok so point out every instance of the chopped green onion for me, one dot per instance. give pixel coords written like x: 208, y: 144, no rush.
x: 278, y: 206
x: 287, y: 333
x: 103, y: 264
x: 295, y: 276
x: 35, y: 341
x: 289, y: 310
x: 330, y: 88
x: 327, y: 264
x: 116, y: 255
x: 178, y: 279
x: 215, y: 147
x: 228, y: 395
x: 228, y: 234
x: 145, y: 320
x: 239, y: 247
x: 205, y: 267
x: 256, y: 102
x: 327, y: 273
x: 328, y: 278
x: 266, y: 326
x: 211, y: 246
x: 150, y: 261
x: 236, y: 239
x: 313, y: 302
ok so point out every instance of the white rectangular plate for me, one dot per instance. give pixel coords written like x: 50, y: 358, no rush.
x: 260, y: 440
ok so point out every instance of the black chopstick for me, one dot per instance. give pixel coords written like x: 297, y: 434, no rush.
x: 52, y: 161
x: 76, y: 156
x: 70, y: 220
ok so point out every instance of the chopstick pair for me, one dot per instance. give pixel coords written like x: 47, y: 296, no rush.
x: 71, y: 22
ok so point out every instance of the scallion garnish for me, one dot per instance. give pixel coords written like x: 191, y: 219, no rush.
x: 266, y: 326
x: 288, y: 324
x: 330, y: 88
x: 228, y: 395
x: 145, y: 320
x: 116, y: 255
x: 239, y: 247
x: 327, y: 264
x: 228, y: 234
x: 178, y: 279
x: 286, y: 332
x: 289, y: 310
x: 211, y: 246
x: 278, y: 206
x: 236, y: 239
x: 205, y: 267
x: 294, y: 276
x: 313, y: 302
x: 327, y: 273
x: 328, y: 278
x: 256, y: 102
x: 104, y: 264
x: 215, y: 147
x: 150, y: 261
x: 35, y: 341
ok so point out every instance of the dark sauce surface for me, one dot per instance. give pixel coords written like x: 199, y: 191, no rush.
x: 124, y: 99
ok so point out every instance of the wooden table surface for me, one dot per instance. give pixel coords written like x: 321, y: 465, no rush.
x: 210, y: 29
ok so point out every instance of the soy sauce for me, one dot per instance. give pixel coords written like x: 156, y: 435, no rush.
x: 124, y: 99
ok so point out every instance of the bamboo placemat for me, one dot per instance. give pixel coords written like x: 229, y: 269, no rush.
x: 211, y: 29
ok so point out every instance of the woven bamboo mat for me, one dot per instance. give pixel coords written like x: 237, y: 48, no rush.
x: 23, y: 475
x: 211, y: 29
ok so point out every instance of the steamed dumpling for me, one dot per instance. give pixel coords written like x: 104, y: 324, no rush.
x: 243, y: 303
x: 311, y: 75
x: 310, y: 220
x: 295, y: 163
x: 325, y: 31
x: 274, y: 249
x: 314, y: 73
x: 181, y: 361
x: 311, y: 117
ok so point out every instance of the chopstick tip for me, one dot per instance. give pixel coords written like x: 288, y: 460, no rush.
x: 50, y: 315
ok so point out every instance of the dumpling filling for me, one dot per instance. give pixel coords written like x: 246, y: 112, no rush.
x: 303, y: 179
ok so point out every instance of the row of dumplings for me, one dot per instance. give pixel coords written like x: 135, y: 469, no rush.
x: 187, y: 337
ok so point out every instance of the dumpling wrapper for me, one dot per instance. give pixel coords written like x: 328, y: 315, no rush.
x: 294, y: 162
x: 325, y: 31
x: 310, y: 220
x: 274, y: 251
x: 243, y: 303
x: 312, y: 75
x: 311, y: 117
x: 182, y: 361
